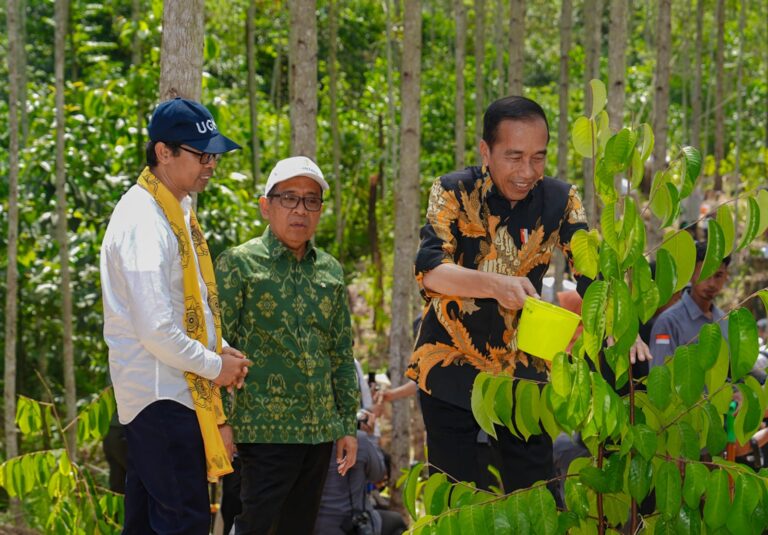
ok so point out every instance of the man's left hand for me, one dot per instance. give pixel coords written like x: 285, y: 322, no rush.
x: 229, y: 440
x: 346, y: 454
x: 639, y: 352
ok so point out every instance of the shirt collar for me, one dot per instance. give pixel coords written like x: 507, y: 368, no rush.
x: 693, y: 309
x: 277, y: 249
x: 490, y: 190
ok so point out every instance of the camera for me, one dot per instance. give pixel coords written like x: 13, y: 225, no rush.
x: 361, y: 523
x: 362, y: 418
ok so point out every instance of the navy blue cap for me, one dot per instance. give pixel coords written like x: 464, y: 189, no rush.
x: 188, y: 122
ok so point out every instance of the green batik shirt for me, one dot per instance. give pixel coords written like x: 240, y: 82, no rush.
x: 291, y: 318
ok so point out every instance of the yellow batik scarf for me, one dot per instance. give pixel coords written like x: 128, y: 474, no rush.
x: 205, y: 394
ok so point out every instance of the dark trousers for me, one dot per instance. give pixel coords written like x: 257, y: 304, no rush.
x: 453, y: 448
x: 166, y: 490
x: 280, y: 487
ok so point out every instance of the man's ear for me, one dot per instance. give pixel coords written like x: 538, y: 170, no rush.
x: 264, y: 207
x: 162, y: 152
x: 485, y: 152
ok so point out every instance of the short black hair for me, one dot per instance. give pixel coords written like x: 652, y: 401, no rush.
x: 152, y: 157
x: 701, y: 253
x: 514, y: 108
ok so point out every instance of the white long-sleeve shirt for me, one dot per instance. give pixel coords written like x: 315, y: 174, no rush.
x: 144, y: 312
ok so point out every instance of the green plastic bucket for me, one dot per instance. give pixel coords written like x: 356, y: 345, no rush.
x: 545, y: 329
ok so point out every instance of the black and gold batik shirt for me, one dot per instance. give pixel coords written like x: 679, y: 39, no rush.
x: 469, y: 223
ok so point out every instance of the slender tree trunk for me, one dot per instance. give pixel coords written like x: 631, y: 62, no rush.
x: 303, y: 78
x: 720, y: 94
x: 697, y: 72
x: 136, y: 12
x: 566, y: 24
x: 593, y: 15
x: 391, y: 153
x: 661, y: 96
x: 617, y: 64
x: 22, y: 69
x: 333, y: 75
x: 708, y: 97
x: 181, y: 53
x: 479, y: 67
x: 459, y: 128
x: 70, y: 394
x: 516, y: 46
x: 498, y: 44
x: 378, y: 266
x: 406, y: 229
x: 250, y: 51
x: 740, y: 88
x: 12, y: 272
x: 277, y: 96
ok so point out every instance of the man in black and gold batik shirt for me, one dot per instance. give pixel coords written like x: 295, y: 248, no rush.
x: 285, y: 303
x: 487, y: 243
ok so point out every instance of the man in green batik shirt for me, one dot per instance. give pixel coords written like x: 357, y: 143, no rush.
x: 284, y: 303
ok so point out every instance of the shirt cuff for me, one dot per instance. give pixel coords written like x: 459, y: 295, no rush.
x: 212, y: 365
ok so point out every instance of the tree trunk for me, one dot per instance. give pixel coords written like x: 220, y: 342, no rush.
x: 516, y: 46
x: 566, y: 23
x: 617, y: 51
x: 740, y: 89
x: 181, y: 53
x: 378, y: 266
x: 250, y: 51
x: 479, y: 65
x: 333, y: 74
x: 498, y: 40
x: 391, y: 154
x: 697, y: 66
x: 661, y: 96
x: 70, y: 394
x: 303, y: 78
x: 720, y: 94
x: 406, y: 229
x: 12, y: 272
x: 459, y: 126
x: 593, y: 11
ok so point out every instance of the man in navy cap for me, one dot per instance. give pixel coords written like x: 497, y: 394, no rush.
x: 161, y: 322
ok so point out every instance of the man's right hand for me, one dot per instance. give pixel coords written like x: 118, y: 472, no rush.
x: 234, y: 368
x: 511, y: 292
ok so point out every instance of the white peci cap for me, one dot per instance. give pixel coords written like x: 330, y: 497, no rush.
x: 293, y: 167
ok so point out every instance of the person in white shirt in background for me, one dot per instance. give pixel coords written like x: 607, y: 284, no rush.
x: 162, y: 326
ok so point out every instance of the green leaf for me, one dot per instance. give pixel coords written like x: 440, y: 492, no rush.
x: 743, y: 343
x: 668, y: 489
x: 661, y: 201
x: 762, y: 202
x: 674, y: 206
x: 584, y: 137
x: 595, y: 479
x: 527, y: 408
x: 503, y: 406
x: 29, y: 415
x: 715, y: 377
x: 648, y: 141
x: 623, y: 313
x: 716, y: 437
x: 715, y: 251
x: 435, y: 493
x: 763, y: 295
x: 688, y: 521
x: 689, y: 441
x: 409, y: 492
x: 560, y: 376
x: 691, y: 170
x: 517, y: 510
x: 724, y: 218
x: 460, y: 495
x: 547, y: 416
x: 696, y: 478
x: 542, y: 511
x: 473, y: 519
x: 601, y: 404
x: 584, y: 247
x: 660, y: 386
x: 478, y: 405
x: 683, y: 250
x: 644, y: 440
x: 639, y: 478
x: 749, y: 416
x: 637, y: 169
x: 717, y: 504
x: 597, y: 88
x: 593, y: 308
x: 746, y: 496
x: 645, y: 294
x: 609, y: 264
x: 752, y: 225
x: 576, y: 498
x: 688, y: 375
x: 710, y: 338
x: 666, y: 276
x: 579, y: 402
x: 489, y: 396
x: 608, y: 226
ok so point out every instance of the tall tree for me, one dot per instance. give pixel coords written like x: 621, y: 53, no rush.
x: 181, y: 52
x: 498, y: 45
x: 250, y: 51
x: 12, y: 271
x: 479, y: 62
x: 697, y: 75
x: 661, y: 86
x: 336, y: 138
x: 406, y: 228
x: 617, y: 63
x: 516, y: 46
x: 303, y: 77
x: 720, y: 94
x: 593, y: 15
x: 70, y: 393
x: 566, y: 23
x: 459, y: 126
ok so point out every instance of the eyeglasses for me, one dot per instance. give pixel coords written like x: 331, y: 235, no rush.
x: 205, y: 157
x: 290, y: 200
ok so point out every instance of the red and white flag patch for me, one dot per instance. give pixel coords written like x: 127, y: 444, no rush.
x: 663, y: 339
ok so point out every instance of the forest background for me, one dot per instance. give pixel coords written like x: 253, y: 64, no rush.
x: 399, y: 90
